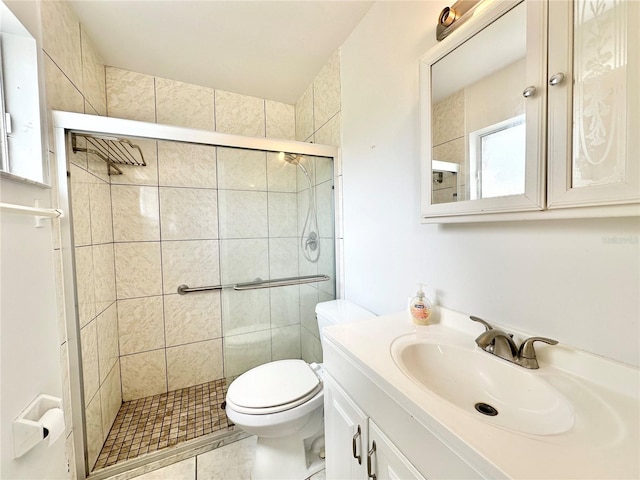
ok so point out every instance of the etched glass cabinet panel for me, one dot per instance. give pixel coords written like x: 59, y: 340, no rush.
x: 594, y: 102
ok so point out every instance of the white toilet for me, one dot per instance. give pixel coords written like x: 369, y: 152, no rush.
x: 281, y: 403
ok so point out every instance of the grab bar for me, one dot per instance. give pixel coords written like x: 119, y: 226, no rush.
x: 276, y: 282
x: 281, y: 282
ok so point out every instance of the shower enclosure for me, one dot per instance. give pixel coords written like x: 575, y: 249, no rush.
x: 189, y: 257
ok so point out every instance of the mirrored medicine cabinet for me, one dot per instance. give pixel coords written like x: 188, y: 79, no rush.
x: 21, y: 127
x: 528, y: 111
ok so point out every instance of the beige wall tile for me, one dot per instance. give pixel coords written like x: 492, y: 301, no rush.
x: 194, y: 263
x: 308, y: 302
x: 143, y: 374
x: 107, y: 326
x: 193, y: 364
x: 140, y: 325
x: 245, y: 311
x: 326, y: 91
x: 104, y: 275
x: 239, y: 114
x: 101, y: 217
x: 327, y: 265
x: 243, y: 214
x: 130, y: 95
x: 448, y: 118
x: 451, y: 151
x: 61, y: 93
x: 184, y: 104
x: 283, y: 215
x: 140, y: 175
x: 110, y: 398
x: 310, y: 346
x: 192, y: 318
x: 285, y: 342
x: 81, y: 207
x: 281, y: 176
x: 243, y: 352
x: 188, y: 214
x: 241, y: 169
x: 325, y: 210
x: 85, y: 284
x: 244, y: 260
x: 93, y: 75
x: 61, y: 38
x: 330, y: 133
x: 282, y: 260
x: 95, y: 435
x: 281, y: 120
x: 304, y: 115
x: 90, y: 370
x: 136, y: 213
x: 285, y: 305
x: 186, y: 165
x: 324, y: 170
x: 98, y: 167
x: 138, y: 269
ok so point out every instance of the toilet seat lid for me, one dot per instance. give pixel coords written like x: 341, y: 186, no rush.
x: 273, y: 384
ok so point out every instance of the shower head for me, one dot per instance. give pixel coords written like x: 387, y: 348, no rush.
x: 292, y: 158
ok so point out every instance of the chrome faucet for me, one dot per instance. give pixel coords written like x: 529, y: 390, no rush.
x: 501, y: 344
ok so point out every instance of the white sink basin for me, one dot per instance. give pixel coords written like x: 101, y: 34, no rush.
x: 486, y: 386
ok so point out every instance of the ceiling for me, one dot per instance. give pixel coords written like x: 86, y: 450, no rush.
x: 266, y: 49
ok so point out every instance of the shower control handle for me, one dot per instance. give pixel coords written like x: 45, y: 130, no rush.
x: 354, y: 448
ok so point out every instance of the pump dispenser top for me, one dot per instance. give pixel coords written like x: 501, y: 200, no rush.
x: 420, y: 307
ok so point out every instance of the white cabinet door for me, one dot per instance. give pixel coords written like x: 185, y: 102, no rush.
x: 345, y: 434
x: 594, y: 103
x: 385, y: 461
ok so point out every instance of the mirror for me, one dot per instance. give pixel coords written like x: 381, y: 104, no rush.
x: 20, y: 117
x: 483, y: 115
x: 478, y: 114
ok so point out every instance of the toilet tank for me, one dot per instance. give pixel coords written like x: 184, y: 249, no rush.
x: 339, y: 311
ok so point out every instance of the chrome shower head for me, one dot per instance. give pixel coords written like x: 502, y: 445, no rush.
x: 292, y: 158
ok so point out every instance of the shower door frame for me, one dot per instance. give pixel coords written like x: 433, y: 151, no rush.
x: 66, y: 122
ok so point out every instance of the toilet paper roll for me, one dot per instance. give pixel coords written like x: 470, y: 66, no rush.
x: 53, y: 424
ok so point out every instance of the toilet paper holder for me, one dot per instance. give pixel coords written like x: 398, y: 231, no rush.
x: 28, y: 429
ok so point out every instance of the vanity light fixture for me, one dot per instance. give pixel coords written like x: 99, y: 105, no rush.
x: 452, y: 17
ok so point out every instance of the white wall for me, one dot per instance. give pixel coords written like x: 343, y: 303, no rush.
x: 29, y: 349
x: 574, y: 280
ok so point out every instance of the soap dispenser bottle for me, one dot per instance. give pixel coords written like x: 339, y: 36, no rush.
x: 420, y: 307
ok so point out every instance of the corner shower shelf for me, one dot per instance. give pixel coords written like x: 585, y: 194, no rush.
x: 114, y: 151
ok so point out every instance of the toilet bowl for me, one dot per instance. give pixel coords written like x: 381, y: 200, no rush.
x: 281, y: 402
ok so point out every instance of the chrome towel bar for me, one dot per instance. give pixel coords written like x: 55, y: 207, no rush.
x: 276, y: 282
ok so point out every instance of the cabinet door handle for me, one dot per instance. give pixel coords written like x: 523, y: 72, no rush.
x: 529, y: 91
x: 354, y: 447
x: 371, y: 475
x: 556, y: 79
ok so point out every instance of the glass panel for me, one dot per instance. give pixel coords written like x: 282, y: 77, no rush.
x: 599, y: 92
x: 195, y: 215
x: 476, y: 86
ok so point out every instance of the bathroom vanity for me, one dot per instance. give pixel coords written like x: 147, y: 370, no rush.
x: 410, y: 391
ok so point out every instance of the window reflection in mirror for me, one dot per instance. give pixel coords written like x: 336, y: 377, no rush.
x: 477, y: 114
x: 20, y: 135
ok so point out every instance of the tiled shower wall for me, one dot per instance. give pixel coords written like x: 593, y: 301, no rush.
x: 317, y: 114
x: 211, y: 216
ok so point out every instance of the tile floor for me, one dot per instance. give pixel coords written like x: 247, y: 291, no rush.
x: 162, y: 421
x: 231, y: 462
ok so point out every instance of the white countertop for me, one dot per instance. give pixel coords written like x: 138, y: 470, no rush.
x: 604, y: 441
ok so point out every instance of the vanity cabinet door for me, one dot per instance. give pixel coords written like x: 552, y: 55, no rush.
x: 594, y: 103
x: 345, y: 435
x: 385, y: 460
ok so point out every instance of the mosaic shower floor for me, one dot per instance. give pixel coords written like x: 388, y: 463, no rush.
x: 161, y: 421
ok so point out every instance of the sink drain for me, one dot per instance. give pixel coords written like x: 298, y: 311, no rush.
x: 486, y: 409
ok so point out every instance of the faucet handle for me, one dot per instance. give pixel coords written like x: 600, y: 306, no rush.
x: 526, y: 350
x: 487, y: 326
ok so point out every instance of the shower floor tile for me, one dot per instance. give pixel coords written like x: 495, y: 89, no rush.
x: 153, y: 423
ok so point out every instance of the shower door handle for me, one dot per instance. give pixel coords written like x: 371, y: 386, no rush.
x: 354, y: 448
